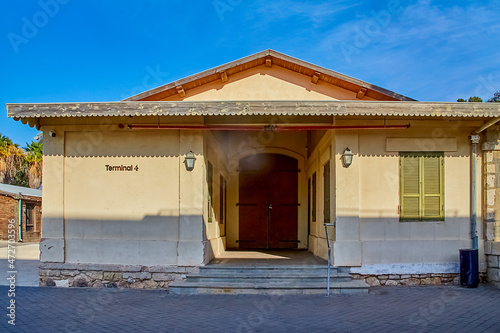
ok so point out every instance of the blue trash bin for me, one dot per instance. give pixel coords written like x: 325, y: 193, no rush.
x: 469, y: 268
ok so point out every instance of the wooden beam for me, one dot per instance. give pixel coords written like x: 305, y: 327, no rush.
x: 180, y: 91
x: 361, y: 93
x: 269, y: 62
x: 223, y: 76
x: 315, y: 77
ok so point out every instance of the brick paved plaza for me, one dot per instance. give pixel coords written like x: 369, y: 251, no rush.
x: 384, y: 309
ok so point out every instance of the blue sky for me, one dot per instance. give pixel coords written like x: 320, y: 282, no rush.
x: 77, y: 51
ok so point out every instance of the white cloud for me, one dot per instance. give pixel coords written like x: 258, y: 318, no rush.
x: 317, y: 12
x: 426, y: 50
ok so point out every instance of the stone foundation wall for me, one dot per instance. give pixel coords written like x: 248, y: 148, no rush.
x: 491, y: 206
x: 111, y: 276
x: 409, y: 279
x: 492, y: 251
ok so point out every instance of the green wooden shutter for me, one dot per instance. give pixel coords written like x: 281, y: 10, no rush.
x: 326, y: 190
x: 410, y: 187
x: 432, y: 183
x: 421, y: 186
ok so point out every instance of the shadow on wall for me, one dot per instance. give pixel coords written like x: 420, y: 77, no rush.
x: 153, y: 240
x: 181, y: 241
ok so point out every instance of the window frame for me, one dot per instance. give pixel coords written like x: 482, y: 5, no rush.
x: 210, y: 184
x: 222, y: 194
x: 421, y: 195
x: 314, y: 197
x: 327, y: 214
x: 29, y: 223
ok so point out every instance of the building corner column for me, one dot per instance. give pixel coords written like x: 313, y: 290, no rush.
x: 53, y: 242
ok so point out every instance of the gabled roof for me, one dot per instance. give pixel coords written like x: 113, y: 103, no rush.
x: 269, y: 58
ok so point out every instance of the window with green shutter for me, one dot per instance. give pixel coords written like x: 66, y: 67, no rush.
x: 421, y: 187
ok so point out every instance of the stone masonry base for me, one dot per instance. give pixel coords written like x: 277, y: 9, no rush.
x: 492, y: 251
x: 111, y: 276
x: 410, y: 279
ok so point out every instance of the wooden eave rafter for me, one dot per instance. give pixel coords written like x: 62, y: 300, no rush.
x: 269, y: 58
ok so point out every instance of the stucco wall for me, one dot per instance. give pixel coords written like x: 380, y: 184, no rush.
x: 142, y: 216
x: 262, y: 83
x: 157, y: 215
x: 368, y: 230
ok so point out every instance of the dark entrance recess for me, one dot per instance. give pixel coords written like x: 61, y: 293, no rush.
x: 268, y: 202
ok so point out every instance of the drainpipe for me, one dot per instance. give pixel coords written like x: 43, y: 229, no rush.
x: 20, y: 220
x: 474, y: 138
x: 473, y: 223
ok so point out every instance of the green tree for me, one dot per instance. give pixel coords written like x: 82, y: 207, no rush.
x: 11, y: 159
x: 33, y: 157
x: 495, y: 98
x: 475, y: 99
x: 20, y: 179
x: 20, y: 167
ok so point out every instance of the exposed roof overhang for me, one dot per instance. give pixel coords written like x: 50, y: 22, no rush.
x: 25, y: 112
x: 269, y: 58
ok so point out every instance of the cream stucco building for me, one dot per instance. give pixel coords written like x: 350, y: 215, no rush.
x: 268, y: 133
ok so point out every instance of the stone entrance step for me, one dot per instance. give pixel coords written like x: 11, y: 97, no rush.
x: 277, y: 280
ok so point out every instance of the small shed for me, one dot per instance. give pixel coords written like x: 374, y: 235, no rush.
x: 22, y: 207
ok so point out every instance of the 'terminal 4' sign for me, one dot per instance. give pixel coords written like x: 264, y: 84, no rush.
x: 121, y: 168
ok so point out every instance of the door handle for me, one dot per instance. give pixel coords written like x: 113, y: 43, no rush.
x: 270, y: 206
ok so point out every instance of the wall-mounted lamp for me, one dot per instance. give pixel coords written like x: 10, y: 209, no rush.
x: 189, y: 161
x: 52, y: 134
x: 347, y: 157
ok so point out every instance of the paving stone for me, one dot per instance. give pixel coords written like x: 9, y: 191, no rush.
x: 384, y: 309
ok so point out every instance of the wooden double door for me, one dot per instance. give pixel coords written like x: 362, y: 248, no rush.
x: 268, y: 202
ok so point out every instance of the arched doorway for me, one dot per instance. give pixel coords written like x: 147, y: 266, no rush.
x: 268, y: 202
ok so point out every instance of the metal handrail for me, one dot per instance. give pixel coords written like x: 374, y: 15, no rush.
x: 329, y: 257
